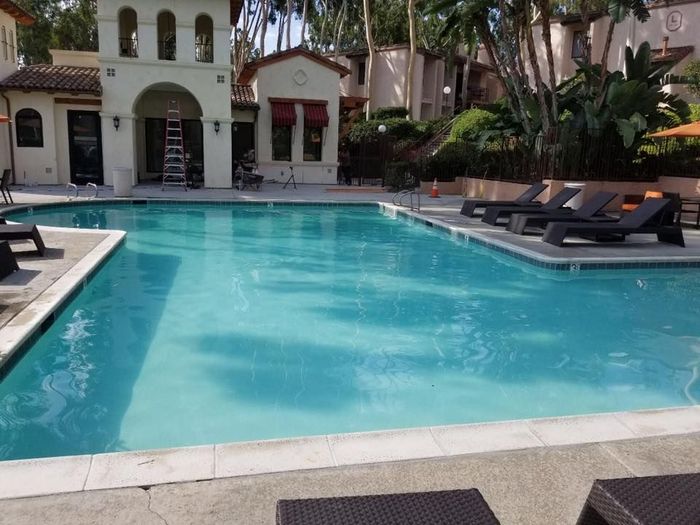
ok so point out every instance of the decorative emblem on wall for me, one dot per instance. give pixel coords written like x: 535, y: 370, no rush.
x: 300, y: 77
x: 674, y: 20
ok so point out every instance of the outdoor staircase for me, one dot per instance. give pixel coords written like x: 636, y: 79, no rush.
x: 434, y: 143
x: 174, y: 169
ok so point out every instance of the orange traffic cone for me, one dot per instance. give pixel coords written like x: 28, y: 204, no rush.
x: 435, y: 193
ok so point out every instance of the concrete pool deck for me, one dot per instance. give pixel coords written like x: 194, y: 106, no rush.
x: 397, y: 458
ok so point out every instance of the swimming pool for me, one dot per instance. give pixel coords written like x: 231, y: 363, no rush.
x: 229, y: 323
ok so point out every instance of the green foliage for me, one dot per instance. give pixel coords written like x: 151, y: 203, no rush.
x: 398, y: 176
x: 389, y: 112
x: 471, y: 124
x: 398, y: 128
x: 452, y: 160
x: 694, y: 112
x: 692, y: 74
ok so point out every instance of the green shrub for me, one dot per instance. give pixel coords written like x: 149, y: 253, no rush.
x: 388, y: 113
x: 398, y: 128
x: 452, y: 160
x: 471, y: 124
x: 694, y: 112
x: 692, y: 74
x: 398, y: 176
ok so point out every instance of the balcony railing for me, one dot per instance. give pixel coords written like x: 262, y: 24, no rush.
x: 204, y: 53
x: 128, y: 47
x: 167, y: 50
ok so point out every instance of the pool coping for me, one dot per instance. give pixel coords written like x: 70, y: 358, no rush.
x: 44, y: 476
x: 145, y: 468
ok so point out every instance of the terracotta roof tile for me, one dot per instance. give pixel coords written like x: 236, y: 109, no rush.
x: 673, y: 54
x: 242, y: 97
x: 21, y: 15
x: 61, y: 79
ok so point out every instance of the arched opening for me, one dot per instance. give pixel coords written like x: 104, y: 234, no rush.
x: 151, y: 111
x: 128, y: 33
x: 167, y: 40
x: 204, y: 39
x: 30, y: 129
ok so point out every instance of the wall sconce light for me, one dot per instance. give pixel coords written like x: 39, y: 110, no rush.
x: 217, y: 126
x: 116, y: 122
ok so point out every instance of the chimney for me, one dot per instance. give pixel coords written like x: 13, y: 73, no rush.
x: 664, y: 46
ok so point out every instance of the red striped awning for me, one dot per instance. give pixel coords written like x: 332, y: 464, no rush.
x: 283, y: 114
x: 316, y: 116
x: 3, y: 118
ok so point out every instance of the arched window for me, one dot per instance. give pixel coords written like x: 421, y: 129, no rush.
x: 167, y: 41
x: 204, y: 39
x: 30, y: 133
x: 128, y: 33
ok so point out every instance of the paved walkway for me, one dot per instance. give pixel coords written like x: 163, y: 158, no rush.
x: 538, y: 486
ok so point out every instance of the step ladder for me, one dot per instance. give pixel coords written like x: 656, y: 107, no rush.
x: 174, y: 172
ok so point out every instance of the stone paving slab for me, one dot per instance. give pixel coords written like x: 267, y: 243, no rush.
x: 529, y: 487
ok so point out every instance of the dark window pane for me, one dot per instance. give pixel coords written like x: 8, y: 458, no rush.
x: 281, y: 143
x: 29, y: 129
x: 155, y: 140
x: 313, y: 144
x: 361, y: 74
x: 578, y: 46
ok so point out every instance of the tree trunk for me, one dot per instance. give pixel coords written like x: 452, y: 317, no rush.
x: 604, y: 59
x: 412, y: 58
x: 263, y: 27
x: 304, y: 15
x: 288, y: 36
x: 370, y: 62
x: 535, y: 65
x: 341, y: 24
x: 280, y: 32
x: 547, y: 38
x: 322, y: 36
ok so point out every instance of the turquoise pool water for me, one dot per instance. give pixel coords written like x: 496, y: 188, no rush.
x: 225, y: 323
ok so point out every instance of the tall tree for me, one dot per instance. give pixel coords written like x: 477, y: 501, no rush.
x: 289, y: 24
x: 263, y: 28
x: 408, y: 90
x: 370, y: 47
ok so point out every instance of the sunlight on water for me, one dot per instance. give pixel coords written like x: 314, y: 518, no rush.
x: 216, y: 324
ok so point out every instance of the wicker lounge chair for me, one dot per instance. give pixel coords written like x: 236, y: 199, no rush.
x: 525, y: 199
x: 652, y: 500
x: 644, y: 219
x: 448, y: 507
x: 590, y: 211
x: 8, y: 263
x: 5, y: 186
x: 21, y: 232
x: 494, y: 213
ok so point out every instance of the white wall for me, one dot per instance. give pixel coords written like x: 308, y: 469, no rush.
x: 277, y: 80
x: 7, y: 67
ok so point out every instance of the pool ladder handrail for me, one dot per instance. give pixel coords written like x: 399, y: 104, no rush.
x: 400, y: 196
x: 75, y: 191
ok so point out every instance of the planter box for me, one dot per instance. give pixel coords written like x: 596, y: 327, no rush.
x: 455, y: 187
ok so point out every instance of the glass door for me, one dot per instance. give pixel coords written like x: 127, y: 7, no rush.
x: 85, y: 143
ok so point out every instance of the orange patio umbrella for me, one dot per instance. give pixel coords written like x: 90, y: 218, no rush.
x: 686, y: 130
x: 4, y: 119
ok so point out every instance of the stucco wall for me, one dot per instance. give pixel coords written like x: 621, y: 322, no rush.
x: 8, y: 65
x: 62, y: 57
x: 277, y: 80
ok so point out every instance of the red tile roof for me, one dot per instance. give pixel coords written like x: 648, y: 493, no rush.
x: 673, y: 54
x: 55, y: 79
x: 251, y: 67
x: 21, y: 15
x: 242, y: 97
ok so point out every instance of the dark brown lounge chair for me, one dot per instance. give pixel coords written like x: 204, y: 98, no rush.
x: 644, y: 219
x: 447, y: 507
x: 650, y: 500
x: 589, y: 212
x: 22, y: 232
x: 5, y: 186
x: 494, y: 213
x: 527, y: 198
x: 8, y: 263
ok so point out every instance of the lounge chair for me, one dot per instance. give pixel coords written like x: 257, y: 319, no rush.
x: 525, y: 199
x: 21, y: 232
x: 590, y: 211
x: 494, y: 213
x: 447, y: 507
x: 644, y: 219
x: 673, y: 499
x: 8, y: 263
x: 5, y: 186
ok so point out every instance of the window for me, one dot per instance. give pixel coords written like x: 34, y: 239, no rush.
x: 167, y: 41
x: 13, y: 51
x: 282, y: 143
x: 3, y: 41
x: 128, y: 33
x: 29, y: 129
x: 313, y: 144
x: 579, y: 45
x: 204, y: 41
x: 361, y: 74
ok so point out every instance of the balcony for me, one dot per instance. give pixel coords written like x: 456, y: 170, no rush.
x: 204, y: 52
x: 128, y: 47
x: 167, y: 49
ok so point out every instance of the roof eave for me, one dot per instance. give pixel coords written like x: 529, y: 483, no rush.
x: 21, y: 15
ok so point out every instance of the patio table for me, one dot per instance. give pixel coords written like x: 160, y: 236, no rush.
x: 657, y: 500
x: 691, y: 201
x: 463, y: 507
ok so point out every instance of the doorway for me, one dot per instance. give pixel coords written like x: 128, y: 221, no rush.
x: 85, y: 147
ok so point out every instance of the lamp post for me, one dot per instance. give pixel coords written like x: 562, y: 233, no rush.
x: 446, y: 92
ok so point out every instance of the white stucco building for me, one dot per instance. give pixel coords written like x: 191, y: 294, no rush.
x: 77, y: 119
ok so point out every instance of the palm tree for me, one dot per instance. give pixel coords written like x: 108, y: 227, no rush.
x: 412, y: 58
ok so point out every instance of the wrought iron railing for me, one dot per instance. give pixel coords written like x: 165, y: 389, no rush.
x: 204, y: 53
x: 128, y: 47
x: 167, y: 50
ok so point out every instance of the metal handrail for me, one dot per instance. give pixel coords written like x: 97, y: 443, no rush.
x: 71, y: 187
x: 398, y: 198
x: 95, y: 189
